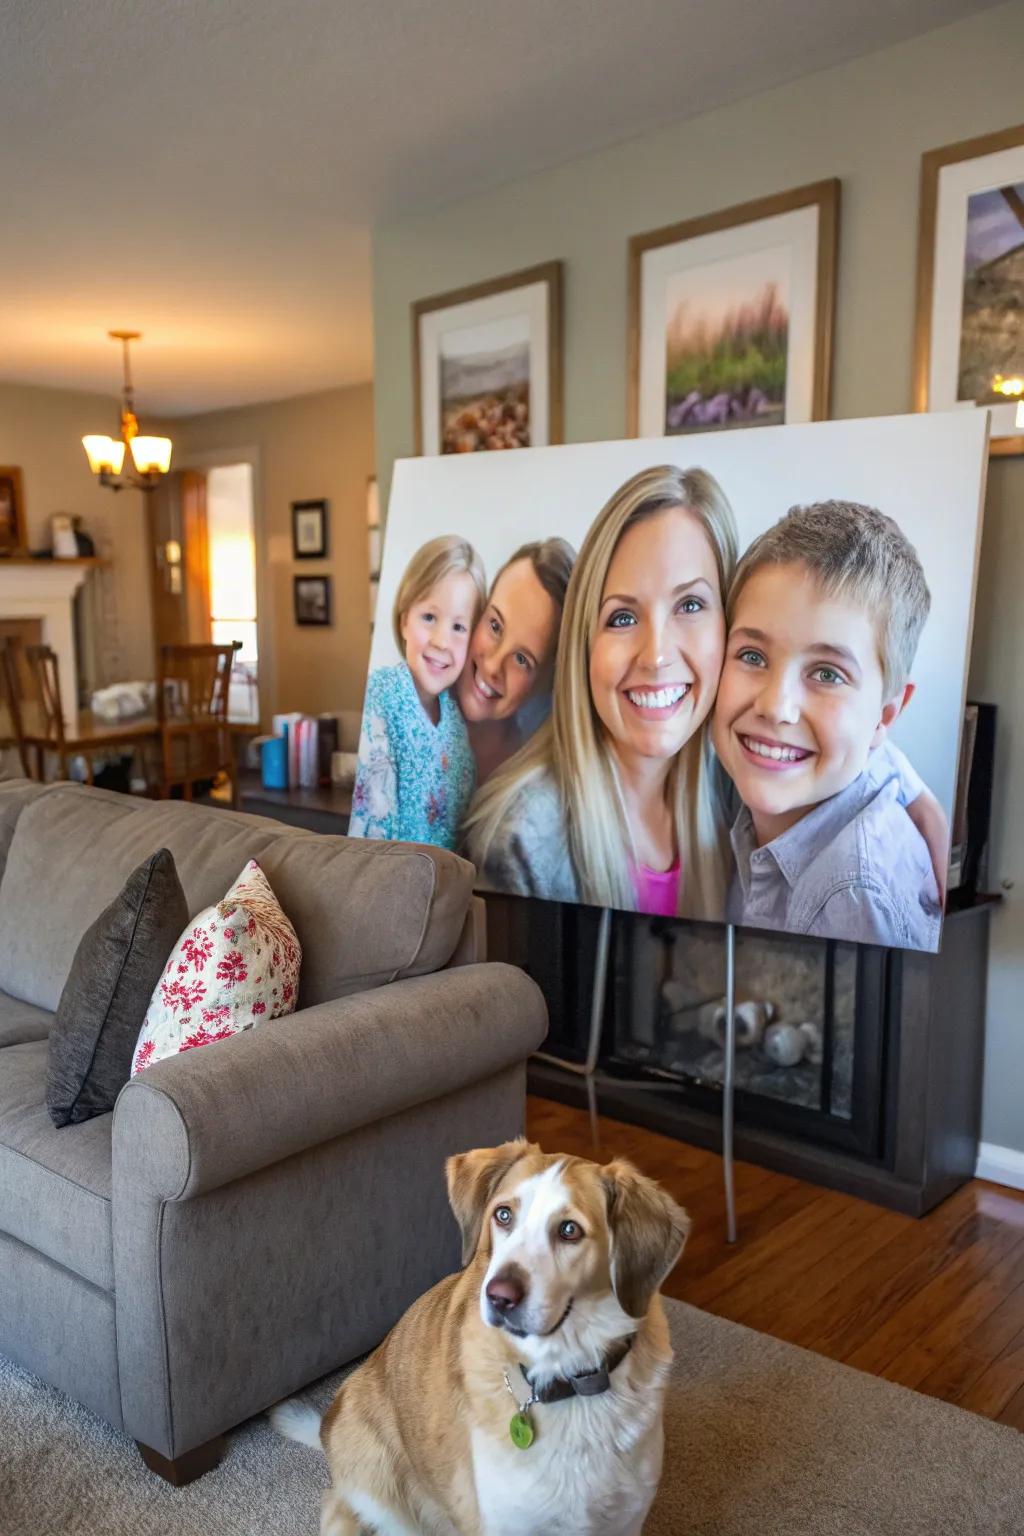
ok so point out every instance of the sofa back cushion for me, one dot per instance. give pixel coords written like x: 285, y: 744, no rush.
x: 15, y: 794
x: 366, y: 913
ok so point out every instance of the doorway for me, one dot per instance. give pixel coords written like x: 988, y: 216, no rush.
x: 203, y: 536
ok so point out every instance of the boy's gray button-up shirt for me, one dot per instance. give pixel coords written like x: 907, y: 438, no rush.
x: 855, y: 867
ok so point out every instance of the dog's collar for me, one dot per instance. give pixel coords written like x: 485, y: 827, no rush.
x: 587, y: 1383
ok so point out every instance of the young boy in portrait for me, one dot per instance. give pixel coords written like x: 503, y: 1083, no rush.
x: 825, y: 613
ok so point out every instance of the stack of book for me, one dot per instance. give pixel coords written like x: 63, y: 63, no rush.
x: 298, y: 755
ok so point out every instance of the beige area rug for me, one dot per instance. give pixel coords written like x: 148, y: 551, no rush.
x: 762, y: 1440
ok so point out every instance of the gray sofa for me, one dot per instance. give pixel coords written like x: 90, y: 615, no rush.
x: 256, y: 1212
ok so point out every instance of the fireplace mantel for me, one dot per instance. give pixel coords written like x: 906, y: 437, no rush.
x: 45, y: 590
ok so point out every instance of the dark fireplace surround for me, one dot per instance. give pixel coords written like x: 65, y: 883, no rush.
x: 889, y: 1106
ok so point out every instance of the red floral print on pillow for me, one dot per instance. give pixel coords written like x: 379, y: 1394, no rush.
x: 215, y: 983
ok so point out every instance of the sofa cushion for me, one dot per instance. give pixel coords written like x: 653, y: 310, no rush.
x: 15, y: 794
x: 104, y: 1002
x: 235, y: 965
x: 366, y: 913
x: 54, y: 1185
x: 22, y: 1021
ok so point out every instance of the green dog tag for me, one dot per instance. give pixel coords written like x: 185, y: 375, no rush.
x: 521, y: 1431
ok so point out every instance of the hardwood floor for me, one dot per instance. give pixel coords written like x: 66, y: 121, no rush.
x: 936, y: 1304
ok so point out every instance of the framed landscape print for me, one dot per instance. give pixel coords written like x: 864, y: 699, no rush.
x: 12, y: 512
x: 970, y: 283
x: 487, y: 364
x: 730, y: 316
x: 309, y: 530
x: 312, y: 599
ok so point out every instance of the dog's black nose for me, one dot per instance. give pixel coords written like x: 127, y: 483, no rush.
x: 505, y: 1292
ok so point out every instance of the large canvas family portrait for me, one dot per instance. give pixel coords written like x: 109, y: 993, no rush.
x: 721, y: 679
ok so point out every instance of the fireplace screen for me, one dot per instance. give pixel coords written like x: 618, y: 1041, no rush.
x: 806, y: 1019
x: 812, y: 1017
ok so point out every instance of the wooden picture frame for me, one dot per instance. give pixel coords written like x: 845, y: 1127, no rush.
x: 951, y: 178
x: 12, y: 512
x: 517, y: 319
x: 309, y: 530
x: 729, y: 241
x: 312, y: 599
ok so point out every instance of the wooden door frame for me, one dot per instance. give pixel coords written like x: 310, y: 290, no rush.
x: 221, y: 458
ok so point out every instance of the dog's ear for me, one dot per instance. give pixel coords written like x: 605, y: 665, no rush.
x: 648, y: 1230
x: 472, y: 1179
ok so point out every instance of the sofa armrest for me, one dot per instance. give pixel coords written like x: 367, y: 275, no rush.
x: 196, y: 1121
x: 472, y: 945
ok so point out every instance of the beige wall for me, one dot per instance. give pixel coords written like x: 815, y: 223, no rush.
x: 312, y: 447
x: 41, y: 431
x: 868, y: 123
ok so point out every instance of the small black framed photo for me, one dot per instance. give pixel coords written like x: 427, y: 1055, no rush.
x: 309, y: 530
x: 312, y: 599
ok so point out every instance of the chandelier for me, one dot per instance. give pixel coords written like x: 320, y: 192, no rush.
x: 150, y: 455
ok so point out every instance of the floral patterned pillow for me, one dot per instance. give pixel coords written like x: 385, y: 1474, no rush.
x: 236, y: 964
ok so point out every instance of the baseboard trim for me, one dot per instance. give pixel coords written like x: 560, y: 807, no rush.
x: 1000, y: 1165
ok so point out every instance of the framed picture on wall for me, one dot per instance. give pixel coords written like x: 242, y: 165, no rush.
x: 12, y: 511
x: 312, y: 599
x: 970, y: 283
x: 487, y: 364
x: 309, y: 530
x: 731, y: 314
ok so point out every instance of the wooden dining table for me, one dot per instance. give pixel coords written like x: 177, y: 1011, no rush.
x: 86, y: 733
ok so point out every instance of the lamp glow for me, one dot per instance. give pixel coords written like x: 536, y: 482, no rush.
x: 152, y: 455
x: 104, y: 454
x: 1013, y: 388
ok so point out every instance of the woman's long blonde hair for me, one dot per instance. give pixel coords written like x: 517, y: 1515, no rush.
x: 569, y: 746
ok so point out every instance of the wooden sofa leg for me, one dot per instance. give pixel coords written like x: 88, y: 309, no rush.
x: 184, y: 1469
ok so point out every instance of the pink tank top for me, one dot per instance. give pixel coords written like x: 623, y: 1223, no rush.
x: 657, y: 891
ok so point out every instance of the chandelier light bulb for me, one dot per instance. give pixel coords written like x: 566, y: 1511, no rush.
x: 152, y: 455
x: 104, y: 453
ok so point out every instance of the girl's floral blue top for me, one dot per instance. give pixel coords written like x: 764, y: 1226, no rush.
x: 414, y: 779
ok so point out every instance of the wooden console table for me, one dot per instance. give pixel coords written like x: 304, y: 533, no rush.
x: 318, y: 810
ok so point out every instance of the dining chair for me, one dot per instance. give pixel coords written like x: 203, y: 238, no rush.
x: 12, y: 736
x: 44, y: 730
x: 192, y: 712
x: 45, y: 674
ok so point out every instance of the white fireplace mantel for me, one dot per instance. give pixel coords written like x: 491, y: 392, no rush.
x: 45, y: 590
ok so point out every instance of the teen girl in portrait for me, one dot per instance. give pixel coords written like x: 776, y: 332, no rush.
x: 504, y: 690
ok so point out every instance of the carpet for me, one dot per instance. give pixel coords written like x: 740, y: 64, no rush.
x: 762, y: 1439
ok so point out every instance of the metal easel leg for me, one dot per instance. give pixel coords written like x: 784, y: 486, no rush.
x: 588, y: 1070
x: 728, y: 1082
x: 596, y: 1021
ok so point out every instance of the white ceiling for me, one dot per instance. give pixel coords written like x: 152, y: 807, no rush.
x: 209, y: 171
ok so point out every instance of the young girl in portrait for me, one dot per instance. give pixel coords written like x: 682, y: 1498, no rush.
x: 416, y: 774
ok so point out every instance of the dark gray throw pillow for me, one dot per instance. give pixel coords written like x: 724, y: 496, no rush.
x: 113, y: 975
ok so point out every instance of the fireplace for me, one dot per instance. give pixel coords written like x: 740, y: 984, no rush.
x: 885, y: 1100
x: 37, y: 597
x: 821, y: 999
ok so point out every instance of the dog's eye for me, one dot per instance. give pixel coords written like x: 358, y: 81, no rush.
x: 503, y: 1215
x: 570, y: 1231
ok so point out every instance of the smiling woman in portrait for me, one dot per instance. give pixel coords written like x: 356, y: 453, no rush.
x: 616, y: 801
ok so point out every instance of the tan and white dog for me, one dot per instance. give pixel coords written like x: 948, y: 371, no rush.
x: 523, y: 1395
